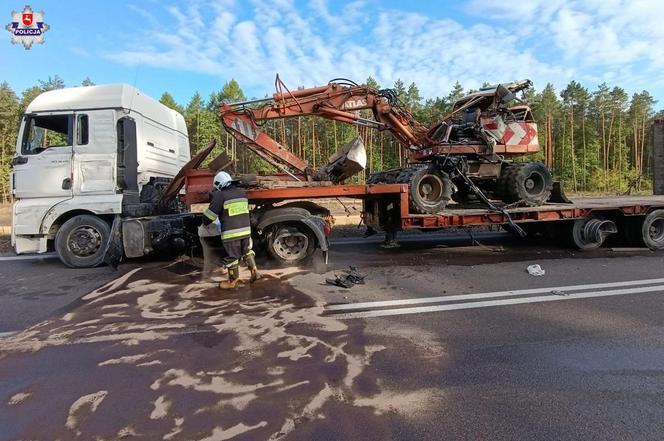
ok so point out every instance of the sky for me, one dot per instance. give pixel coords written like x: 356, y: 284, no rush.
x: 188, y: 46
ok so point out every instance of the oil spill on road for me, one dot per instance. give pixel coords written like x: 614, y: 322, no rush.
x: 161, y: 354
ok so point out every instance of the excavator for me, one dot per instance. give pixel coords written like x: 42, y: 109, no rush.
x: 467, y: 156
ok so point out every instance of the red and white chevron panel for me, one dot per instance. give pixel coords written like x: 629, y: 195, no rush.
x: 513, y: 133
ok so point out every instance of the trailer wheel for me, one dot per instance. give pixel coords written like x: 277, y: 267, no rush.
x: 80, y: 241
x: 530, y: 183
x: 290, y: 243
x: 652, y: 230
x: 430, y: 190
x: 589, y: 234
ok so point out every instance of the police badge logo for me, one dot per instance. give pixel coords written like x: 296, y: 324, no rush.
x: 27, y: 27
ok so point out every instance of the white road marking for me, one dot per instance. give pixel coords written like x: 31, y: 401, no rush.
x: 490, y: 303
x: 512, y: 293
x: 30, y: 257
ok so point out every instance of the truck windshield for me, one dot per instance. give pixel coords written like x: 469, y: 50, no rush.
x: 48, y: 131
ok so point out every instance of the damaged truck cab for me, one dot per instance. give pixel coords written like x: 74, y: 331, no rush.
x: 91, y: 167
x: 83, y: 155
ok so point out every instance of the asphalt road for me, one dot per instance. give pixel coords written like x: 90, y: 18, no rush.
x: 443, y: 341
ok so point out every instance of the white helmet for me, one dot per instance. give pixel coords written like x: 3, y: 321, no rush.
x: 221, y: 180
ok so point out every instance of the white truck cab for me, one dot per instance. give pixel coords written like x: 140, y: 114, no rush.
x: 85, y: 155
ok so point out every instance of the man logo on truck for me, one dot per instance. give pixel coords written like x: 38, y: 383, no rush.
x: 27, y: 27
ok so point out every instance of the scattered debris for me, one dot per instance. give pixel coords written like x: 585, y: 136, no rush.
x: 535, y: 270
x: 349, y: 279
x: 557, y: 292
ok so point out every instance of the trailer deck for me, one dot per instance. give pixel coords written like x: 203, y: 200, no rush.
x: 587, y: 220
x: 457, y: 215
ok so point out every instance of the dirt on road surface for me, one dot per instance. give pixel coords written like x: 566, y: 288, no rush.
x: 161, y: 354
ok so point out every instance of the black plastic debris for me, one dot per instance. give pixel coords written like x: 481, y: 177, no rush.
x: 348, y: 279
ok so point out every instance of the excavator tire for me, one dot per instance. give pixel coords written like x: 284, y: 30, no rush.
x: 529, y: 182
x: 429, y: 189
x: 376, y: 178
x: 501, y: 182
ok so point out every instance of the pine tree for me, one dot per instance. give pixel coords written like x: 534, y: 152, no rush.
x: 168, y: 101
x: 9, y: 117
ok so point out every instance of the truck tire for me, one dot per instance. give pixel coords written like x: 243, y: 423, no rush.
x: 530, y: 183
x: 429, y: 189
x: 80, y: 242
x: 290, y: 243
x: 652, y: 230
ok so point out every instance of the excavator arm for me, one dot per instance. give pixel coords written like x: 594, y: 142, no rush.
x: 340, y: 100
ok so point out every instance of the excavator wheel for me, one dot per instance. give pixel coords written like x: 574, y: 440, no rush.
x: 529, y: 182
x: 429, y: 189
x: 376, y: 178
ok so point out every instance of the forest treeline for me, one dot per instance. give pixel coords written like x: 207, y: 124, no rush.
x: 594, y: 140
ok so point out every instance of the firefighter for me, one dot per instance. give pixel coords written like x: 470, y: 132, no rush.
x: 230, y: 205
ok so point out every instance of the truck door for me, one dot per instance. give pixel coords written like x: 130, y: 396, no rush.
x: 42, y: 165
x: 94, y: 153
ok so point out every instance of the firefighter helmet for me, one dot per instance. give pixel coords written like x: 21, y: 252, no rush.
x: 221, y: 180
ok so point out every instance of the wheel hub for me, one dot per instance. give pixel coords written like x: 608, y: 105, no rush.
x: 291, y: 245
x: 534, y: 184
x: 431, y: 188
x: 656, y: 230
x: 84, y: 241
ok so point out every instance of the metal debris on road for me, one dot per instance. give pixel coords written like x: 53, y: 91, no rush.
x: 349, y: 279
x: 535, y: 270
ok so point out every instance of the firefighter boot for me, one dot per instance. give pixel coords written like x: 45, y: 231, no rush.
x: 250, y: 260
x: 233, y: 278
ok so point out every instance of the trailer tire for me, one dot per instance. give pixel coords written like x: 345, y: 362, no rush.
x: 80, y: 242
x: 652, y: 230
x: 290, y: 243
x: 429, y: 189
x: 530, y: 183
x: 590, y: 233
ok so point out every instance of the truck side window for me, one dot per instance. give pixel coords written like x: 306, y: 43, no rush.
x: 81, y: 129
x: 48, y: 131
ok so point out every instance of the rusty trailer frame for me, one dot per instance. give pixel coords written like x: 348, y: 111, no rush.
x: 198, y: 184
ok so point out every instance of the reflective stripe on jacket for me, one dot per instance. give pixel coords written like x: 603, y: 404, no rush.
x: 232, y: 207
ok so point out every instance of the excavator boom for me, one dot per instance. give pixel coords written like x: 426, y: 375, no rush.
x: 338, y: 101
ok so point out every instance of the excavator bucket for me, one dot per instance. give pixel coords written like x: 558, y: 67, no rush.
x: 350, y: 160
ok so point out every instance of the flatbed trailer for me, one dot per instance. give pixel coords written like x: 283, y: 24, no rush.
x: 583, y: 222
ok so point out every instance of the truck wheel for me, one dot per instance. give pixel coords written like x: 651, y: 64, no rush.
x: 530, y: 183
x: 80, y: 242
x: 589, y: 234
x: 291, y: 243
x: 652, y: 230
x: 430, y: 190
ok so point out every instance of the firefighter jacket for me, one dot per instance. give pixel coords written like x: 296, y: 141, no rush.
x: 231, y: 206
